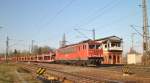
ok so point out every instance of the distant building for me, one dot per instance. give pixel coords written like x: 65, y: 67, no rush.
x: 134, y: 58
x: 112, y: 49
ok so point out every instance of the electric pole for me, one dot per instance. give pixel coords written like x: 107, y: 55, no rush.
x: 32, y: 46
x: 132, y: 37
x: 7, y: 48
x: 93, y: 34
x: 63, y: 40
x: 145, y: 28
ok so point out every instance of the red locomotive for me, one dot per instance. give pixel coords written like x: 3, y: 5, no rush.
x: 83, y: 53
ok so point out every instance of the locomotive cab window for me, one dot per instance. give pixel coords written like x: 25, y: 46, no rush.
x: 91, y: 46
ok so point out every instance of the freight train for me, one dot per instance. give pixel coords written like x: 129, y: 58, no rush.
x: 82, y: 53
x: 96, y: 52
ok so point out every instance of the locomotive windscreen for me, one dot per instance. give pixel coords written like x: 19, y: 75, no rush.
x: 94, y: 46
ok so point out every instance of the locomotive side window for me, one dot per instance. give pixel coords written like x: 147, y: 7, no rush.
x: 96, y: 46
x: 84, y: 47
x: 67, y: 50
x: 79, y: 48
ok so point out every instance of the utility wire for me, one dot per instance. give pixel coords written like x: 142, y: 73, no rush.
x: 108, y: 5
x: 105, y: 9
x: 81, y: 34
x: 138, y: 32
x: 118, y: 20
x: 56, y: 15
x: 60, y: 11
x: 100, y: 9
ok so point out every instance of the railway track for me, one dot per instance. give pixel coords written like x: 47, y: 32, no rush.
x: 80, y: 78
x: 73, y: 77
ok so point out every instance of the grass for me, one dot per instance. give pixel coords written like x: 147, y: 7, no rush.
x: 8, y: 74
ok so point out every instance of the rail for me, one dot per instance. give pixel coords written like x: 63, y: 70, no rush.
x: 74, y: 77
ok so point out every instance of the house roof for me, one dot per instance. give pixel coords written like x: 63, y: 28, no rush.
x: 111, y: 38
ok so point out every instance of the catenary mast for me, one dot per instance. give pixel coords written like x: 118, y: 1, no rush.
x: 145, y: 28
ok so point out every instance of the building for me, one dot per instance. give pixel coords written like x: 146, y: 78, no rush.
x: 112, y: 49
x: 134, y: 58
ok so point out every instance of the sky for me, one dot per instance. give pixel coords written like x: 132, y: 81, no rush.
x: 45, y: 21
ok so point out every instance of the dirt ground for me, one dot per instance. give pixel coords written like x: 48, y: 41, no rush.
x: 12, y: 73
x: 140, y: 74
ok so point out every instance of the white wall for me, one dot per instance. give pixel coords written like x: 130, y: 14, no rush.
x: 134, y: 59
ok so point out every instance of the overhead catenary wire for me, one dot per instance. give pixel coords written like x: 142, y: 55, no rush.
x: 14, y: 43
x: 60, y: 11
x: 100, y: 9
x: 138, y: 32
x: 121, y: 19
x: 55, y: 16
x: 109, y: 5
x: 81, y: 34
x: 102, y: 12
x: 92, y: 30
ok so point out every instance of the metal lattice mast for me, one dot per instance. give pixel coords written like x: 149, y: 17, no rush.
x: 93, y: 31
x: 63, y: 40
x: 7, y: 48
x: 132, y: 38
x: 145, y: 28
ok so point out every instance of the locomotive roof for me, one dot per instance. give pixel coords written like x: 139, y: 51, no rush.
x: 85, y: 41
